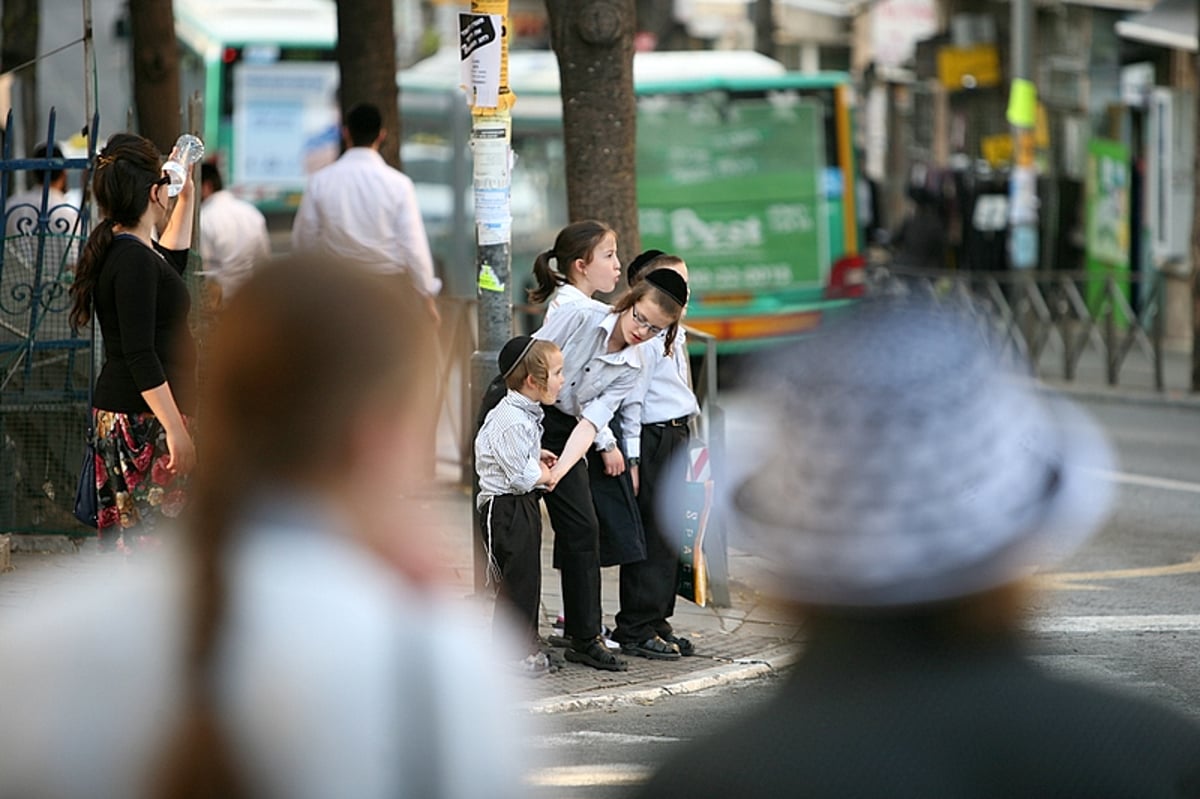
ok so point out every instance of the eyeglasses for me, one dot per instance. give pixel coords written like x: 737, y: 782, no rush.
x: 640, y: 321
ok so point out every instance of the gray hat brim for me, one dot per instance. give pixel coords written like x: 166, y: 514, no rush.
x: 836, y: 531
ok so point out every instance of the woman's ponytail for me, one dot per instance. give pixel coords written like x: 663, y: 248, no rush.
x: 87, y: 272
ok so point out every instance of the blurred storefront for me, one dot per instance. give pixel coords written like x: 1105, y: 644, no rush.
x: 935, y: 77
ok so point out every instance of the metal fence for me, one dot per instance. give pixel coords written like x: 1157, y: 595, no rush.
x: 1064, y: 324
x: 45, y: 366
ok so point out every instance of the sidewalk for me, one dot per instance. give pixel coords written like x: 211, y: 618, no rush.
x: 751, y: 638
x: 736, y: 643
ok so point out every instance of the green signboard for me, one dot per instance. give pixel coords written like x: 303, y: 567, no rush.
x: 1108, y: 218
x: 736, y: 187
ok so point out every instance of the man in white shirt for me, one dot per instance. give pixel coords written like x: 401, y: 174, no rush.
x: 233, y: 233
x: 62, y: 234
x: 361, y: 209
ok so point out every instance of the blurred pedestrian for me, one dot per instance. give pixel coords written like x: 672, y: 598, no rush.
x: 900, y: 483
x: 22, y: 223
x: 921, y: 241
x: 233, y: 233
x: 512, y: 466
x: 360, y: 209
x: 130, y: 277
x: 298, y: 646
x: 601, y: 369
x: 662, y: 409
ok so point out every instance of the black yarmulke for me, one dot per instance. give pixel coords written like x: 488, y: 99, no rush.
x: 669, y: 282
x: 639, y: 263
x: 512, y: 353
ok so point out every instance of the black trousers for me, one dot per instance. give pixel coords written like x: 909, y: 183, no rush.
x: 514, y: 524
x: 576, y: 533
x: 648, y: 586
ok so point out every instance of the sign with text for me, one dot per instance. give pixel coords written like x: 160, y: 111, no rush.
x: 285, y: 126
x: 479, y: 47
x: 740, y: 192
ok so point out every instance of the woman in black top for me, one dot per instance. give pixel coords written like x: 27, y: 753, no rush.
x: 146, y: 388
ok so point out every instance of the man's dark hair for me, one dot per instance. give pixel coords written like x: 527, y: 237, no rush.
x: 39, y: 175
x: 363, y: 123
x: 211, y: 175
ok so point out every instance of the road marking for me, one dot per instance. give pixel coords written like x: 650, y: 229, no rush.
x: 594, y: 736
x: 1067, y: 581
x: 587, y: 776
x: 1116, y: 624
x: 1163, y: 483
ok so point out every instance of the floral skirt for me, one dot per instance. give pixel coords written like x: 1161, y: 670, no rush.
x: 135, y: 489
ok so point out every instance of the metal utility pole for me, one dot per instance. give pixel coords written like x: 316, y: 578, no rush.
x: 1022, y: 115
x: 483, y: 48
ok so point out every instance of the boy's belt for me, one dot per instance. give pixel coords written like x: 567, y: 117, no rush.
x: 682, y: 421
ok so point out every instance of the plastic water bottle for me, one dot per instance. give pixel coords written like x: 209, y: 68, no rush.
x: 188, y: 150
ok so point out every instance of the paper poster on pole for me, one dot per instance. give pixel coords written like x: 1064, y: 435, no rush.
x: 479, y: 42
x: 492, y: 182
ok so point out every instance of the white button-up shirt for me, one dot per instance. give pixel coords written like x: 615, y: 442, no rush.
x: 567, y: 294
x: 596, y: 382
x: 360, y: 209
x: 664, y: 391
x: 233, y: 238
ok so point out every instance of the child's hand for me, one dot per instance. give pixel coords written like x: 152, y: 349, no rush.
x: 614, y: 462
x: 555, y: 476
x: 633, y: 475
x: 549, y: 458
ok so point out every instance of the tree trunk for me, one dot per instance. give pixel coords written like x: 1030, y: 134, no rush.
x: 21, y: 24
x: 1196, y: 244
x: 366, y: 55
x: 764, y: 26
x: 155, y: 71
x: 593, y: 40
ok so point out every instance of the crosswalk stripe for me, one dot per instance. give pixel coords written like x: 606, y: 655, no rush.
x: 578, y: 737
x: 1145, y: 481
x: 588, y: 776
x: 1113, y: 624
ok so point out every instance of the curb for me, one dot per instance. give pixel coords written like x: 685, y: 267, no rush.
x: 45, y: 543
x: 742, y: 669
x: 1116, y: 395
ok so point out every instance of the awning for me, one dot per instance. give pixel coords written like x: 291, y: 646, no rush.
x: 1170, y: 24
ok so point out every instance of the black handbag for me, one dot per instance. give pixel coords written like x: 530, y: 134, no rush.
x: 87, y: 501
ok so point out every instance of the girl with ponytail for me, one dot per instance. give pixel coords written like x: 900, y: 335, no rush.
x: 582, y: 262
x: 130, y: 280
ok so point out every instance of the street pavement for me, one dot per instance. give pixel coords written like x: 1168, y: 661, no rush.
x: 750, y: 638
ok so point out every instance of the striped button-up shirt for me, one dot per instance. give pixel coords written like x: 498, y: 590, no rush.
x: 507, y: 448
x: 595, y: 381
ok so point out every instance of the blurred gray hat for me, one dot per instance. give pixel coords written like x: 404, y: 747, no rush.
x: 895, y: 460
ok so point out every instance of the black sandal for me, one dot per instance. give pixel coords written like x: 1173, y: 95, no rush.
x: 592, y: 652
x: 686, y: 648
x: 654, y: 648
